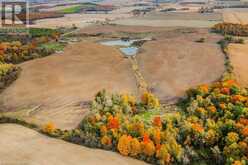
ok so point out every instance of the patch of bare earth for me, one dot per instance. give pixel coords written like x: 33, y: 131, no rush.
x: 238, y: 56
x: 52, y: 88
x: 175, y: 62
x: 20, y: 145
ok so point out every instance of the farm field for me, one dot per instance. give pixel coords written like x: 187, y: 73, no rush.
x: 57, y: 8
x: 34, y: 147
x: 79, y: 20
x: 184, y: 19
x: 238, y: 56
x: 169, y: 70
x: 236, y: 17
x: 59, y: 83
x: 148, y: 87
x: 178, y: 62
x: 87, y: 67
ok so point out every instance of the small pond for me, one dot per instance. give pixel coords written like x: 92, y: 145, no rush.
x: 118, y: 42
x: 126, y: 46
x: 129, y: 51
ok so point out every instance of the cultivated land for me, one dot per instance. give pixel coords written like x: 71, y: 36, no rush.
x: 52, y: 88
x: 58, y: 88
x: 239, y: 58
x: 177, y: 19
x: 235, y: 17
x: 79, y: 20
x: 175, y: 61
x: 29, y: 147
x: 118, y: 30
x: 59, y: 83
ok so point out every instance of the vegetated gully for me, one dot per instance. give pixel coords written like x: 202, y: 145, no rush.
x: 130, y: 48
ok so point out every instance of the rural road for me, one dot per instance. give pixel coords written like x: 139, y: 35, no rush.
x: 20, y: 145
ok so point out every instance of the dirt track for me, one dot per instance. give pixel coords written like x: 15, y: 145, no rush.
x: 20, y: 145
x: 239, y: 58
x: 58, y: 83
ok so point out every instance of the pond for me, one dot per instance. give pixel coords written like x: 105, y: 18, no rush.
x: 126, y: 46
x: 129, y: 51
x: 118, y: 42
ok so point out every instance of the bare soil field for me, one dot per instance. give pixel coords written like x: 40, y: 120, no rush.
x: 167, y: 23
x: 119, y: 3
x: 239, y: 58
x: 181, y: 7
x: 111, y: 29
x: 53, y: 87
x: 236, y: 16
x: 183, y: 16
x: 20, y: 145
x: 79, y: 20
x: 175, y: 62
x: 173, y: 19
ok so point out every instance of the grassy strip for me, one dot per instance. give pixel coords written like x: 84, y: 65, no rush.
x: 224, y: 47
x: 52, y: 46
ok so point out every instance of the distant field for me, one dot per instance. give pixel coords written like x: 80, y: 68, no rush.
x: 76, y: 9
x: 183, y: 16
x: 167, y: 23
x: 80, y: 20
x: 69, y: 9
x: 173, y: 19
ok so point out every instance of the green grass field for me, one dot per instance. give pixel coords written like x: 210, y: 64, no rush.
x: 76, y: 9
x: 54, y: 46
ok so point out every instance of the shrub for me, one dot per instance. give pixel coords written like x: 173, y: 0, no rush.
x: 211, y: 127
x: 201, y: 40
x: 49, y: 128
x: 8, y: 74
x: 231, y: 29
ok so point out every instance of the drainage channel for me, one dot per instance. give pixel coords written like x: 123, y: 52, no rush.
x: 130, y: 51
x: 141, y: 82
